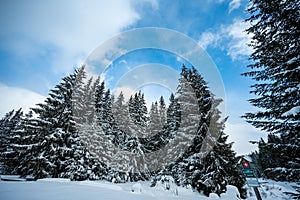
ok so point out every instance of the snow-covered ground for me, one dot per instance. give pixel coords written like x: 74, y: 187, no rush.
x: 56, y: 189
x: 273, y: 190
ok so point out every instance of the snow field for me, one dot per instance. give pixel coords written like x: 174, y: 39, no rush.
x: 64, y: 189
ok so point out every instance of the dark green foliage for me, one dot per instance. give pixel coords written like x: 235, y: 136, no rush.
x: 275, y: 26
x: 80, y: 132
x: 209, y: 163
x: 138, y: 109
x: 279, y: 161
x: 56, y: 149
x: 10, y: 141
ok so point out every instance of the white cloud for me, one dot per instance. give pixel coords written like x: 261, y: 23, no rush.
x: 231, y: 38
x: 71, y: 29
x: 209, y: 39
x: 127, y: 92
x: 238, y: 130
x: 239, y: 39
x: 241, y: 134
x: 234, y: 4
x: 15, y: 98
x: 216, y: 1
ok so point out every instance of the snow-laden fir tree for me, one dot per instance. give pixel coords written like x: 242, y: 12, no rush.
x: 218, y: 167
x: 58, y: 151
x: 162, y: 111
x: 154, y: 125
x: 10, y: 141
x: 209, y: 163
x: 173, y: 115
x: 120, y: 113
x: 125, y: 124
x: 157, y: 145
x: 187, y: 129
x: 275, y: 68
x: 190, y: 88
x: 138, y: 112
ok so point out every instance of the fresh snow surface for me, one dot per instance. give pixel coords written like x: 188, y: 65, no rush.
x: 292, y: 112
x: 248, y: 158
x: 64, y: 189
x: 273, y: 190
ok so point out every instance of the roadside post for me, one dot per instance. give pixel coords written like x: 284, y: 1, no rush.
x: 251, y: 178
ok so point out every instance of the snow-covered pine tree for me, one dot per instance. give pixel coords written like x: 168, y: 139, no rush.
x: 188, y: 126
x: 56, y: 128
x: 173, y: 115
x: 88, y: 165
x: 58, y: 150
x: 130, y: 156
x: 88, y: 99
x: 157, y: 137
x: 31, y: 160
x: 120, y: 112
x: 138, y: 112
x: 99, y: 96
x: 110, y: 140
x: 218, y: 168
x: 275, y: 28
x: 154, y: 125
x: 203, y: 98
x: 129, y: 139
x: 10, y: 142
x: 162, y: 111
x: 209, y: 163
x: 106, y: 119
x: 157, y: 146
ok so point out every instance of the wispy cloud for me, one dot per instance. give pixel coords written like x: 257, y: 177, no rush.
x: 234, y: 4
x: 238, y: 39
x: 209, y: 39
x: 231, y: 38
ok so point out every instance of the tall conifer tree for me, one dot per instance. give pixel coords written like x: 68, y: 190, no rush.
x: 275, y: 29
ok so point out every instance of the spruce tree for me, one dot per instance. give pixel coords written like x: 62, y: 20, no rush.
x: 275, y: 68
x: 173, y: 115
x: 219, y: 167
x: 138, y: 112
x: 58, y: 150
x: 187, y: 128
x: 120, y: 113
x: 209, y: 163
x: 154, y: 120
x: 10, y: 141
x: 162, y: 111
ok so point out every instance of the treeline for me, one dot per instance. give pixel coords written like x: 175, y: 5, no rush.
x: 82, y: 131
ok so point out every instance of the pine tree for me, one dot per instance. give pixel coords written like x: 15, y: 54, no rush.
x: 162, y: 111
x: 154, y: 120
x: 208, y: 164
x: 31, y: 161
x: 220, y: 166
x: 189, y: 115
x: 173, y: 114
x: 275, y: 28
x: 57, y: 150
x: 10, y: 141
x: 119, y: 111
x: 138, y: 112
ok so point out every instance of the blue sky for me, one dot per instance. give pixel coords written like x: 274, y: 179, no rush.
x: 42, y: 41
